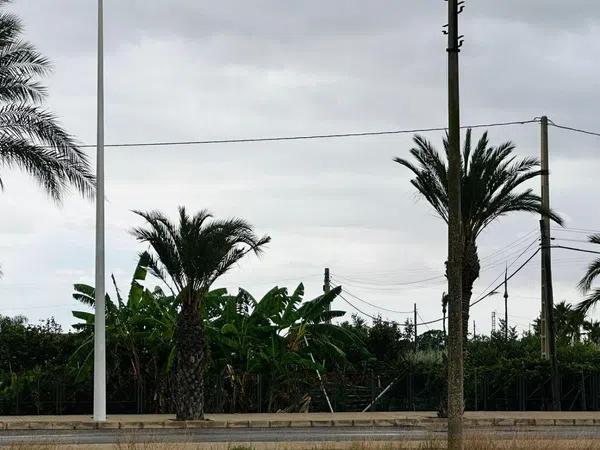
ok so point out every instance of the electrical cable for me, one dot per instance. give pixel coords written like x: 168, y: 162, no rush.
x: 372, y: 304
x: 356, y: 308
x: 575, y: 249
x: 409, y: 283
x: 377, y: 318
x: 572, y: 240
x: 512, y: 244
x: 576, y: 230
x: 508, y: 278
x: 421, y: 319
x: 306, y: 137
x: 505, y: 260
x: 509, y: 266
x: 577, y: 130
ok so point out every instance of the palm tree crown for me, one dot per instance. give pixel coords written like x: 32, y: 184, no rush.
x: 195, y: 252
x: 490, y: 181
x: 30, y: 137
x: 490, y: 176
x: 585, y: 285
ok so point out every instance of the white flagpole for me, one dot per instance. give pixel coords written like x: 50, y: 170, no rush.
x: 100, y: 321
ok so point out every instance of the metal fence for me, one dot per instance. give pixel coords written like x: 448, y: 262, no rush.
x: 407, y: 390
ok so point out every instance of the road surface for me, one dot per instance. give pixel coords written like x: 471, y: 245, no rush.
x: 256, y: 435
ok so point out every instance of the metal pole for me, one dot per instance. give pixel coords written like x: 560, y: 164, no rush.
x: 99, y: 306
x: 455, y: 241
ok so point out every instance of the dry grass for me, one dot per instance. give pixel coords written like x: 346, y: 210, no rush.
x: 476, y: 443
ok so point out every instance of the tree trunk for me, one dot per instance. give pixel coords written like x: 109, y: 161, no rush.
x: 189, y: 364
x: 470, y: 273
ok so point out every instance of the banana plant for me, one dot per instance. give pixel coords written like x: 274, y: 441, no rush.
x: 277, y: 336
x: 131, y: 324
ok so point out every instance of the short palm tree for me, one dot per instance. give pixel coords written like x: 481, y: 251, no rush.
x: 189, y: 256
x: 30, y: 137
x: 593, y: 270
x: 490, y: 179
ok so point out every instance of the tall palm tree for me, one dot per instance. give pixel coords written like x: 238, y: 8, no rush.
x: 585, y: 285
x: 490, y: 178
x: 189, y: 256
x: 30, y: 137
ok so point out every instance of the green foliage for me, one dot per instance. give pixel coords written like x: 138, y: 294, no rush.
x: 276, y: 337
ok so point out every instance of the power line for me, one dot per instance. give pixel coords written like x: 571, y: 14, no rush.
x: 511, y: 264
x: 577, y: 130
x: 511, y: 275
x: 391, y: 288
x: 305, y: 137
x: 575, y: 249
x: 514, y: 254
x: 374, y: 305
x: 408, y: 283
x: 572, y: 240
x: 576, y: 230
x: 424, y: 323
x: 377, y: 318
x: 512, y: 244
x: 356, y: 308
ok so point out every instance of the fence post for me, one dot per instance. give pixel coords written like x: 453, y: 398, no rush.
x: 476, y: 390
x: 258, y: 394
x: 374, y: 407
x: 583, y: 396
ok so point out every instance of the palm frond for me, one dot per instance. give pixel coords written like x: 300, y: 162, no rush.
x: 30, y: 137
x: 53, y: 171
x: 195, y: 252
x: 589, y: 302
x: 592, y: 272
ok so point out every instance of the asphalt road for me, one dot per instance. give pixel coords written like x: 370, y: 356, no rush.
x: 277, y: 435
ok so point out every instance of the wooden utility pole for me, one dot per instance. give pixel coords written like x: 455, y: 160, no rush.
x: 444, y: 307
x: 548, y: 325
x: 551, y: 334
x: 545, y: 194
x: 455, y: 241
x: 327, y: 287
x: 415, y: 322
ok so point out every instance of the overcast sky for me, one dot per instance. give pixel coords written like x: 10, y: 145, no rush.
x: 183, y: 69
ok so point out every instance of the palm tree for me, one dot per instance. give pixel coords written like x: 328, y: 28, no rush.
x: 490, y: 178
x: 30, y: 137
x: 189, y: 257
x: 568, y: 323
x: 585, y: 285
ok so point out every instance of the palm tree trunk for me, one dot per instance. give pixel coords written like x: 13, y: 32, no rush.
x: 470, y: 273
x: 189, y: 364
